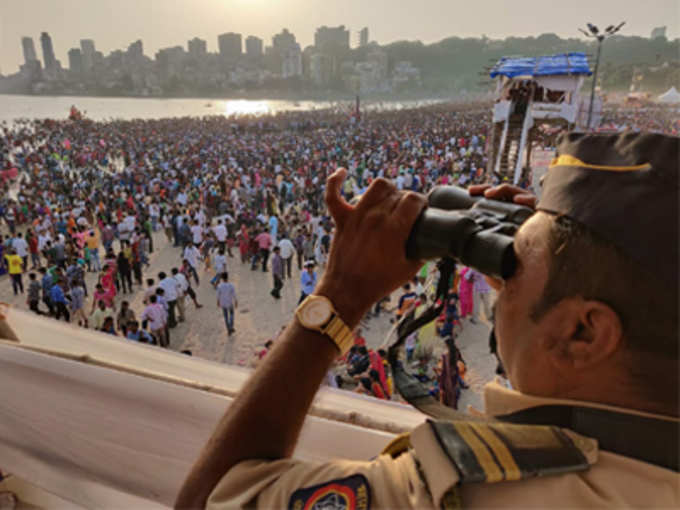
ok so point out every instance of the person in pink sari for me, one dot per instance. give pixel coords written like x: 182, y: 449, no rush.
x: 108, y: 281
x: 101, y: 294
x: 80, y: 238
x: 465, y: 290
x: 243, y: 244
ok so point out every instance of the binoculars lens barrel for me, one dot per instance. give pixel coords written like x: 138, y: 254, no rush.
x: 473, y: 230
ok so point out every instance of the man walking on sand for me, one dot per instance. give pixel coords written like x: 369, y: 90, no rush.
x: 226, y: 300
x: 287, y: 252
x: 307, y: 281
x: 277, y: 273
x: 154, y: 315
x: 264, y: 242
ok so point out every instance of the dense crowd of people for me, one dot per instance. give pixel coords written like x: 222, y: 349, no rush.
x: 651, y: 118
x: 89, y: 196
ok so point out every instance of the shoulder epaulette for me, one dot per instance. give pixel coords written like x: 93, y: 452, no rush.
x: 487, y: 452
x: 398, y: 445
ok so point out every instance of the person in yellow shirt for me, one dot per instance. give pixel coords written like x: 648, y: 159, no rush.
x: 15, y: 267
x: 92, y: 240
x: 71, y: 225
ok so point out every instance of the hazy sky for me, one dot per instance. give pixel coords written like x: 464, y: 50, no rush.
x: 113, y: 24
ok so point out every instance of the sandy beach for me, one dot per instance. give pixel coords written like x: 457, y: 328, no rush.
x: 259, y: 317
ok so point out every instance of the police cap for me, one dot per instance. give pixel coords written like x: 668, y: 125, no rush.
x: 624, y: 188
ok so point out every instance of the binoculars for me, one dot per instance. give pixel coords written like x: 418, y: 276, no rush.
x: 475, y: 231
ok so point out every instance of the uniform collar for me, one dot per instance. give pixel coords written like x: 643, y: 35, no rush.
x: 647, y: 437
x: 499, y: 400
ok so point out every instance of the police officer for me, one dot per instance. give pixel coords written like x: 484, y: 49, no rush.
x: 587, y: 330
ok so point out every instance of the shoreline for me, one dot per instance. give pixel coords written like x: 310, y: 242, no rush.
x: 268, y: 96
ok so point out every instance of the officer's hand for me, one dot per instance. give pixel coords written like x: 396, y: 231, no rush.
x: 505, y: 192
x: 367, y: 258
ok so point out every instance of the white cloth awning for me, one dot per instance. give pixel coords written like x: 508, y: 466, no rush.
x: 670, y: 96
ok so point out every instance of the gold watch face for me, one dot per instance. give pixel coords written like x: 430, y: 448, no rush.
x: 315, y: 313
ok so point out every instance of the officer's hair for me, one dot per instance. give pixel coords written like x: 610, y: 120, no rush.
x: 586, y: 265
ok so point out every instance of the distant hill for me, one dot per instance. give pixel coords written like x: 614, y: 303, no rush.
x: 460, y: 63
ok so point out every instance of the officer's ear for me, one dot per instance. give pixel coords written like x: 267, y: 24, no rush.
x: 589, y: 333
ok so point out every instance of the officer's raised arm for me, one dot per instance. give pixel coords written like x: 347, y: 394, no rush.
x: 366, y: 262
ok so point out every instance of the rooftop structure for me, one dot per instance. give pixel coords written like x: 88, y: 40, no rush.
x: 564, y: 64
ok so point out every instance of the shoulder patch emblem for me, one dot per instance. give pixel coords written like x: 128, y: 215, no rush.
x: 351, y: 493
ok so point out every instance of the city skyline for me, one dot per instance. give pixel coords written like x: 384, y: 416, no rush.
x: 172, y: 25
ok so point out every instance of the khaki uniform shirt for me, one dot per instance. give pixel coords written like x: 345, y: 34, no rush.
x: 423, y: 476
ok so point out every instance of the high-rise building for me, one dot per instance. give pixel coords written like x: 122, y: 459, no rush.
x: 229, y: 44
x: 331, y: 37
x: 379, y: 59
x: 75, y: 60
x: 291, y: 61
x: 87, y: 51
x: 170, y: 61
x: 363, y: 37
x: 116, y: 60
x: 320, y: 69
x: 136, y: 49
x: 197, y: 47
x: 29, y: 49
x: 48, y: 52
x: 253, y: 46
x: 283, y: 40
x: 658, y: 32
x: 284, y: 55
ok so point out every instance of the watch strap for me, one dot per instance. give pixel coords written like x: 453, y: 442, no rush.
x: 334, y: 327
x: 338, y: 331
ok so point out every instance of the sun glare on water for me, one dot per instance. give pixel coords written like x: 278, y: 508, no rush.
x: 244, y: 107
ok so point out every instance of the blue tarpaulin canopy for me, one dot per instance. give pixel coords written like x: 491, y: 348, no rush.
x: 549, y: 65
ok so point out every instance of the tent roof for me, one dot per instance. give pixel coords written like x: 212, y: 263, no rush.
x: 670, y: 96
x: 561, y: 64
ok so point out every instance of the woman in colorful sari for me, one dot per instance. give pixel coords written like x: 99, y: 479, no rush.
x: 112, y: 262
x: 100, y: 294
x: 244, y: 243
x: 107, y: 281
x: 465, y: 290
x: 377, y: 365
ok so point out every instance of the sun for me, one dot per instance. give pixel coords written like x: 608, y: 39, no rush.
x: 238, y: 107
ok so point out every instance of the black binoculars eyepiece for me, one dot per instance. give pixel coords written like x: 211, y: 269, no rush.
x: 475, y: 231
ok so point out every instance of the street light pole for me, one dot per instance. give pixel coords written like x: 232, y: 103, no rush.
x: 592, y: 88
x: 594, y: 32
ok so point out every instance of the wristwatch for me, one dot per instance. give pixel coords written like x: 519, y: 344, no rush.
x: 317, y: 313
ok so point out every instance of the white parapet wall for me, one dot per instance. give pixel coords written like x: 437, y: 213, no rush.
x: 103, y: 422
